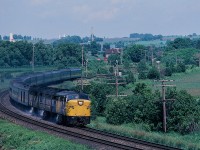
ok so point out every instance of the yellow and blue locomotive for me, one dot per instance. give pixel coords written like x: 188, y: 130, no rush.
x: 69, y: 107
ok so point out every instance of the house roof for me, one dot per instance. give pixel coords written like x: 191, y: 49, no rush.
x: 113, y: 51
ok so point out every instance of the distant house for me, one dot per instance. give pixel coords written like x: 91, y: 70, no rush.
x: 108, y: 52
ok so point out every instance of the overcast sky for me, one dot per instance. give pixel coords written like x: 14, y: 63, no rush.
x: 109, y: 18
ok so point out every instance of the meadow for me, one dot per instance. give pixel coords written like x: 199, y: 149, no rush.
x: 13, y: 136
x: 189, y: 81
x: 141, y: 131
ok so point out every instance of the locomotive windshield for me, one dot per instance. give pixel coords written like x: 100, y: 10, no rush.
x: 83, y: 96
x: 77, y: 96
x: 73, y: 96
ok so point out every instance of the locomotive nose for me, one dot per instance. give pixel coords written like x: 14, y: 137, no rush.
x: 80, y: 120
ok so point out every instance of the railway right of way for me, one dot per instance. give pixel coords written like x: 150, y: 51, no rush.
x: 110, y: 141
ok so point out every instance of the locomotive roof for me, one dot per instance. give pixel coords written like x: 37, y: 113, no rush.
x: 65, y: 93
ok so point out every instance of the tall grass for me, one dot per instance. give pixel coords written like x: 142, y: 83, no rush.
x: 16, y: 137
x: 142, y: 131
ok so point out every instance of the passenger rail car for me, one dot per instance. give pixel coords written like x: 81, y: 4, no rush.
x: 69, y: 107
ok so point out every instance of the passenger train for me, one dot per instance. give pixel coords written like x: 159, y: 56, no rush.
x: 68, y: 107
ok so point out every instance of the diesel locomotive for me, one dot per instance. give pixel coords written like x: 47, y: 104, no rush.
x: 68, y: 107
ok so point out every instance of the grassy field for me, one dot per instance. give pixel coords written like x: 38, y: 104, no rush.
x: 19, y: 138
x: 157, y: 43
x: 189, y: 81
x: 141, y: 131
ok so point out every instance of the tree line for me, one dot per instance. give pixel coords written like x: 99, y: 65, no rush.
x: 20, y: 53
x: 144, y: 106
x: 146, y: 36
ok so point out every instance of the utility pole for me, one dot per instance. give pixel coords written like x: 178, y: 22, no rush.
x: 121, y: 56
x: 163, y: 85
x: 152, y: 59
x: 33, y: 58
x: 81, y: 83
x: 116, y: 78
x: 145, y: 56
x: 198, y: 56
x: 82, y: 55
x: 116, y: 81
x: 176, y: 58
x: 86, y: 63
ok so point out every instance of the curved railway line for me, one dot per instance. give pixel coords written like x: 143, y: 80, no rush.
x: 112, y: 141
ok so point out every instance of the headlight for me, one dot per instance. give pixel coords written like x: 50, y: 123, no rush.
x: 80, y: 103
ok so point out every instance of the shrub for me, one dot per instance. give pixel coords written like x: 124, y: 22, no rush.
x: 168, y: 71
x: 130, y: 77
x: 184, y: 115
x: 153, y: 73
x: 116, y: 111
x: 142, y: 75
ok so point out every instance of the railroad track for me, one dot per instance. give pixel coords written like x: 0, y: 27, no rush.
x: 92, y: 135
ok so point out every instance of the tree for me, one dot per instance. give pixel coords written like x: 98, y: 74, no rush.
x: 144, y: 107
x: 142, y: 75
x: 153, y: 73
x: 184, y: 115
x: 116, y: 111
x: 141, y: 67
x: 99, y: 92
x: 5, y: 38
x: 68, y: 39
x: 181, y: 67
x: 94, y: 47
x: 130, y: 77
x: 112, y: 59
x: 68, y: 54
x: 179, y: 43
x: 135, y: 53
x: 198, y: 44
x: 0, y: 38
x: 168, y: 71
x: 106, y: 46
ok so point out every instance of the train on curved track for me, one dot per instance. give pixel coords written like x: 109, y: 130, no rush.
x: 68, y: 107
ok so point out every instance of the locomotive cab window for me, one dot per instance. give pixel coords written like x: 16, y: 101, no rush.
x: 73, y: 96
x: 83, y: 96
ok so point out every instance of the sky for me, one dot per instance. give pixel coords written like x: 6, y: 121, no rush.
x: 108, y: 18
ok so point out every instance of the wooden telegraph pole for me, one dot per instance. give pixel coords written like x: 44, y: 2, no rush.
x: 152, y: 58
x: 82, y: 55
x: 33, y: 58
x: 163, y: 85
x: 116, y: 82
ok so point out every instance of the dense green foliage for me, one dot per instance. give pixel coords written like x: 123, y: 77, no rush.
x: 130, y: 77
x: 144, y: 107
x: 184, y: 114
x: 68, y: 55
x: 115, y: 113
x: 20, y: 54
x: 15, y: 54
x: 98, y: 93
x: 134, y: 53
x: 94, y: 47
x: 153, y: 73
x: 112, y: 59
x: 141, y: 131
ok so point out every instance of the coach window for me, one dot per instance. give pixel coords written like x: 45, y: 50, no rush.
x: 24, y: 97
x: 63, y: 100
x: 21, y: 96
x: 66, y: 99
